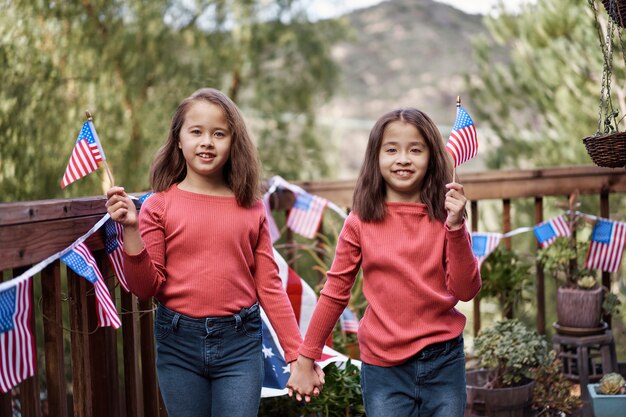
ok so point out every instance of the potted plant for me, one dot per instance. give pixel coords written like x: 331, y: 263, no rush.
x: 580, y: 299
x: 505, y: 276
x: 552, y: 395
x: 608, y: 397
x: 507, y: 353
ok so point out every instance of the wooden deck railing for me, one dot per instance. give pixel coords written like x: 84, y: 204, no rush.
x: 112, y: 373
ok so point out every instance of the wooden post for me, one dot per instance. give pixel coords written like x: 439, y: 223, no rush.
x: 540, y: 282
x: 103, y: 346
x: 131, y: 344
x: 53, y: 340
x: 81, y: 371
x: 148, y: 362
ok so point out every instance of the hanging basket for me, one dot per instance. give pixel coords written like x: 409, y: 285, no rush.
x: 617, y: 12
x: 607, y: 150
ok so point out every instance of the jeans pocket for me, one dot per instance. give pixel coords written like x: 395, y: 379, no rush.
x: 162, y: 326
x: 252, y: 326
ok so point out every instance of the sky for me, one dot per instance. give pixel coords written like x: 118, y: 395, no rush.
x: 330, y: 8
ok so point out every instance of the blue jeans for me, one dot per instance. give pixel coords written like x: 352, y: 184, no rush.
x: 431, y: 383
x: 209, y: 366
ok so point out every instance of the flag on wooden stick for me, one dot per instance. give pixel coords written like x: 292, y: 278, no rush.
x: 462, y: 143
x: 86, y: 156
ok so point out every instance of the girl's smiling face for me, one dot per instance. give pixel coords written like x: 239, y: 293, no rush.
x: 205, y: 140
x: 403, y: 162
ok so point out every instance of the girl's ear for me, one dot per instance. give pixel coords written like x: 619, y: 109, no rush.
x: 179, y: 145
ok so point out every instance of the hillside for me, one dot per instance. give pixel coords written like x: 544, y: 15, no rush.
x: 401, y: 53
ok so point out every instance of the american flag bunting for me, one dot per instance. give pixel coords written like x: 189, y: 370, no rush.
x: 306, y: 214
x: 17, y: 343
x: 114, y: 247
x: 607, y: 244
x: 547, y: 232
x: 81, y: 261
x: 463, y: 142
x: 86, y: 156
x: 483, y: 244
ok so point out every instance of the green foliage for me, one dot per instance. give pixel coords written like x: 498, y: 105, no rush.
x: 552, y: 394
x: 611, y: 303
x: 543, y: 95
x: 130, y: 62
x: 557, y: 260
x: 509, y: 350
x: 341, y: 397
x: 505, y: 276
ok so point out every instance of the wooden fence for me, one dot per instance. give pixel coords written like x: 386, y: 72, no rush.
x: 112, y: 373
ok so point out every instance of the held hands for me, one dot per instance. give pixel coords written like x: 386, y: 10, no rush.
x: 307, y: 379
x: 121, y: 208
x: 455, y: 205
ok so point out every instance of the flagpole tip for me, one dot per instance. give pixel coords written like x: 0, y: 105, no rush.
x: 88, y: 114
x: 458, y: 101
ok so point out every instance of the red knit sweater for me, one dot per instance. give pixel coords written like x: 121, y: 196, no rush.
x: 414, y: 272
x: 207, y: 256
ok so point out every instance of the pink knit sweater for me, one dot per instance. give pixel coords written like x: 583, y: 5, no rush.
x: 415, y: 271
x: 207, y: 256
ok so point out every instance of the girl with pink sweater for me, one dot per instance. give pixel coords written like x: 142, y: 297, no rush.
x: 407, y: 232
x: 201, y: 247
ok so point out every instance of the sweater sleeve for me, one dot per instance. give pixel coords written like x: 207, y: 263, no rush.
x: 462, y: 272
x: 336, y: 292
x: 145, y: 271
x: 273, y: 297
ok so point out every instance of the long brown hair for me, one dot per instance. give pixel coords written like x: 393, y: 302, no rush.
x: 241, y: 171
x: 369, y: 195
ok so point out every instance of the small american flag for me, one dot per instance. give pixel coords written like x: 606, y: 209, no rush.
x: 17, y: 344
x: 81, y: 261
x: 548, y: 231
x: 348, y: 321
x: 306, y: 214
x: 86, y: 155
x: 462, y: 143
x: 607, y: 245
x: 483, y: 244
x: 114, y: 247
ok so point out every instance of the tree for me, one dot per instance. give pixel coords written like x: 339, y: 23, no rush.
x: 542, y: 99
x: 130, y: 62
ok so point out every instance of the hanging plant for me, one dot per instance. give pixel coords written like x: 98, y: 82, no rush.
x: 607, y: 148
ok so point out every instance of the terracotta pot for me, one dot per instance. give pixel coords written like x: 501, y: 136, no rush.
x: 497, y: 402
x: 579, y: 308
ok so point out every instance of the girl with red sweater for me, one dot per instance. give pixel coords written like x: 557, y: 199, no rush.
x: 201, y: 246
x: 407, y: 231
